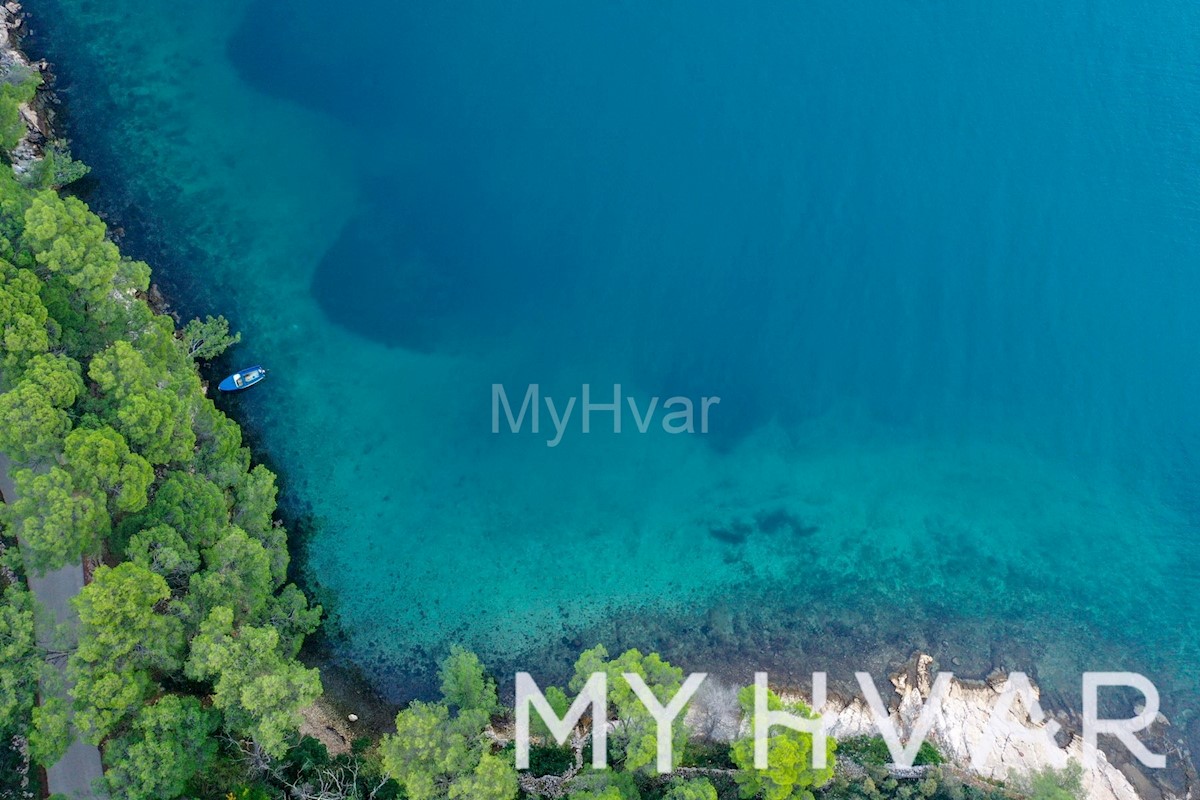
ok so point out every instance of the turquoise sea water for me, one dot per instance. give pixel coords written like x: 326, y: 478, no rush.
x: 939, y: 262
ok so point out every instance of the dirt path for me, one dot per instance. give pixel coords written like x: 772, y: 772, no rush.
x: 73, y: 775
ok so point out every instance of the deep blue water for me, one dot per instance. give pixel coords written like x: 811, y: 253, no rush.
x: 939, y: 261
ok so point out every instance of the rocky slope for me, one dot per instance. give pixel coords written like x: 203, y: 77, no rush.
x: 1020, y: 744
x: 14, y: 62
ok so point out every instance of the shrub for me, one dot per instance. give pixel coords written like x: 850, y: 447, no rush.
x: 872, y: 750
x: 1051, y: 784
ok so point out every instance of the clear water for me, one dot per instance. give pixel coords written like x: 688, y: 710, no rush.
x: 939, y: 263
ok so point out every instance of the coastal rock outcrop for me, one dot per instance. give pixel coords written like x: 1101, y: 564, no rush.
x: 35, y: 114
x: 1017, y: 744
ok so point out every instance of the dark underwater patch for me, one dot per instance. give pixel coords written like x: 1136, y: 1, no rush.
x: 775, y: 521
x: 375, y: 282
x: 298, y: 50
x: 733, y: 533
x: 431, y: 257
x: 780, y: 520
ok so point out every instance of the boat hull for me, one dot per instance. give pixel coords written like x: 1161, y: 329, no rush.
x: 243, y: 379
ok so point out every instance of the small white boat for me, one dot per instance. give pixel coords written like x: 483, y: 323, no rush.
x: 242, y: 380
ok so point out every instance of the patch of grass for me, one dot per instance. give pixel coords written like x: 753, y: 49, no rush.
x: 872, y: 750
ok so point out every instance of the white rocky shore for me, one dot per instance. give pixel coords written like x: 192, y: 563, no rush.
x: 1020, y: 745
x: 961, y: 725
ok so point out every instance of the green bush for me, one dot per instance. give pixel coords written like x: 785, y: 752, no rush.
x: 550, y: 759
x: 1051, y: 784
x: 17, y: 87
x: 708, y: 755
x: 790, y: 772
x: 56, y: 168
x: 867, y: 750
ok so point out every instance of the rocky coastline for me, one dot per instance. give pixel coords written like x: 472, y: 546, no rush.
x: 38, y: 115
x: 959, y: 728
x: 966, y: 709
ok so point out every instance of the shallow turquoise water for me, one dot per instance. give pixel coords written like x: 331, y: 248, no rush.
x: 938, y: 263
